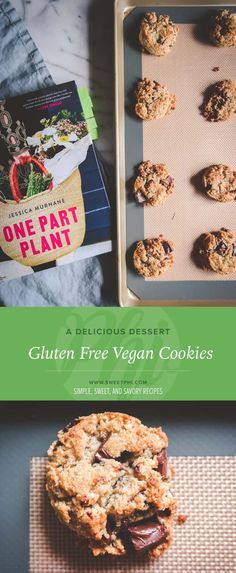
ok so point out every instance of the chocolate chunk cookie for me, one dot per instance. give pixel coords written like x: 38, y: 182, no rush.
x: 108, y: 480
x: 223, y: 29
x: 157, y: 34
x: 153, y: 184
x: 217, y: 251
x: 152, y: 257
x: 220, y: 101
x: 219, y: 182
x: 153, y: 100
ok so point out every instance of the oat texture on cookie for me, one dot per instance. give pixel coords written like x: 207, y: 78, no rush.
x: 154, y: 184
x: 219, y: 183
x: 220, y: 101
x: 153, y: 100
x: 108, y: 479
x: 223, y: 29
x: 157, y: 34
x: 153, y: 257
x: 216, y: 251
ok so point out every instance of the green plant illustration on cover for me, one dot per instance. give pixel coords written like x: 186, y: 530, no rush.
x: 37, y: 183
x: 60, y: 131
x: 29, y: 177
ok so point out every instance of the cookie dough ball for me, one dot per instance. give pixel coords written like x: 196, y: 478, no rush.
x: 153, y: 100
x: 153, y: 257
x: 223, y: 29
x: 153, y: 184
x: 219, y: 183
x: 157, y: 34
x: 220, y: 103
x: 217, y: 251
x: 108, y: 480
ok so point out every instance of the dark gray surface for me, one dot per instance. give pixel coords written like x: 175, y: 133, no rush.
x: 156, y: 290
x: 27, y: 429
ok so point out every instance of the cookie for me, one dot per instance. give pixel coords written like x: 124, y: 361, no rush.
x: 153, y: 100
x: 153, y: 184
x: 157, y: 34
x: 108, y: 480
x: 219, y: 183
x: 217, y: 251
x: 220, y: 101
x: 153, y: 257
x: 223, y: 29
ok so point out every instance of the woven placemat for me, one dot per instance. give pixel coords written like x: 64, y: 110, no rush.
x: 206, y: 490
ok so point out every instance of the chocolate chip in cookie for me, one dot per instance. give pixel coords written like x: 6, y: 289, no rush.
x: 101, y: 454
x: 153, y: 257
x: 220, y: 101
x: 157, y: 34
x: 219, y: 183
x: 146, y: 535
x: 162, y: 462
x: 153, y: 100
x: 153, y: 184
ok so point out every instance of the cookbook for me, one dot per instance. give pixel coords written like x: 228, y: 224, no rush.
x: 54, y: 206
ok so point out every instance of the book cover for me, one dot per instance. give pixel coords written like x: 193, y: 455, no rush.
x: 53, y: 200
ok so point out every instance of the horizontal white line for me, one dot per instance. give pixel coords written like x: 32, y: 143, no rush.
x: 94, y: 210
x: 93, y: 190
x: 116, y: 370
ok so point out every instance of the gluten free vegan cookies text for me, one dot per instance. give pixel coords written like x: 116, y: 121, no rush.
x: 121, y: 353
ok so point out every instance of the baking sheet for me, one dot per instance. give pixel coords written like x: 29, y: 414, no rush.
x: 205, y: 489
x: 187, y: 143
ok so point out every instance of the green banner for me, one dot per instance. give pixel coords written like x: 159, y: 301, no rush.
x: 118, y: 354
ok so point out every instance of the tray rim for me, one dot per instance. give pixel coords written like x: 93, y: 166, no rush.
x: 125, y: 296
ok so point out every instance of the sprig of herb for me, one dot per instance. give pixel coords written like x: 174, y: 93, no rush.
x: 63, y: 114
x: 37, y: 183
x: 4, y: 182
x: 2, y: 197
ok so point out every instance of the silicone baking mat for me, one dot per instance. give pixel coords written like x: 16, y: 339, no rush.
x: 188, y: 144
x: 206, y: 543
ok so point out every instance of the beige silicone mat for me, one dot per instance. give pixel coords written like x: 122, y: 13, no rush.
x: 206, y: 491
x: 188, y: 143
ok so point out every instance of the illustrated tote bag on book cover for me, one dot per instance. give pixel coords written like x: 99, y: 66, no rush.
x: 52, y: 195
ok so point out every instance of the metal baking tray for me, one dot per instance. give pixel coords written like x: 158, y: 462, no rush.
x: 185, y: 141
